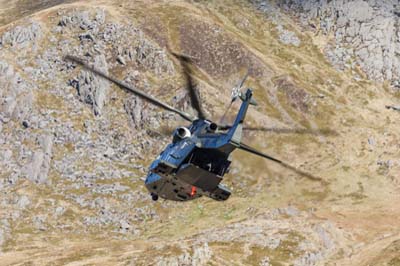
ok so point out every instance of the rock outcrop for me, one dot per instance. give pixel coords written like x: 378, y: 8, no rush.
x: 83, y: 19
x: 93, y: 89
x: 4, y: 232
x: 16, y: 95
x: 365, y: 33
x: 201, y: 255
x: 22, y: 36
x: 38, y: 169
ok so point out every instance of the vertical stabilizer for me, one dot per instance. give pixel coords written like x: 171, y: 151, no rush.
x: 235, y: 133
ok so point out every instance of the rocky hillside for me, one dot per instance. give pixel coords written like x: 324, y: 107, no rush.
x: 74, y: 149
x: 363, y: 34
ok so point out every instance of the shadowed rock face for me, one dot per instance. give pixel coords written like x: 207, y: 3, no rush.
x: 14, y: 10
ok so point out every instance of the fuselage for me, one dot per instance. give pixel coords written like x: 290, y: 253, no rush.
x: 192, y: 166
x: 196, y: 161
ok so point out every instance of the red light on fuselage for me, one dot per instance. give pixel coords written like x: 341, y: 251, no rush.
x: 193, y: 192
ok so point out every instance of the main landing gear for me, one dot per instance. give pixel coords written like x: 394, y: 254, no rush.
x: 154, y: 196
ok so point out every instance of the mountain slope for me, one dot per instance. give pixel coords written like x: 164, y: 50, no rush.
x: 74, y: 149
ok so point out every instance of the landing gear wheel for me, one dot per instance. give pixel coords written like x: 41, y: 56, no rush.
x: 154, y: 197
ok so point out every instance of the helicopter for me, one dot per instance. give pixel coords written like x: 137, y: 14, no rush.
x: 195, y: 162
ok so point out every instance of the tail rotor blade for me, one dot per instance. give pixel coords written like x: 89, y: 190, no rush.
x: 243, y: 80
x: 234, y: 95
x: 125, y: 86
x: 236, y: 91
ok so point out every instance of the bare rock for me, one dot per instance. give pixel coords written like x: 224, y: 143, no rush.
x: 134, y: 107
x: 5, y: 232
x: 86, y: 36
x: 201, y: 256
x: 59, y: 211
x: 33, y: 169
x: 39, y: 222
x: 121, y: 60
x: 131, y: 44
x: 106, y: 217
x: 309, y: 259
x: 125, y: 226
x: 325, y: 238
x: 288, y: 37
x: 91, y: 88
x: 2, y: 237
x: 365, y: 30
x: 6, y: 155
x: 24, y: 106
x: 83, y: 19
x: 37, y: 170
x: 22, y: 36
x: 16, y: 96
x: 110, y: 188
x: 265, y: 262
x: 338, y: 56
x: 152, y: 57
x: 23, y: 202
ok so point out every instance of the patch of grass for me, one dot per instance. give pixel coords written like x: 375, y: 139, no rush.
x: 47, y: 100
x: 315, y: 195
x: 346, y: 168
x: 285, y: 253
x: 358, y: 195
x: 394, y: 262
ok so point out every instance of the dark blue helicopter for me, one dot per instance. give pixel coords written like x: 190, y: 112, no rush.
x: 195, y: 162
x: 197, y: 159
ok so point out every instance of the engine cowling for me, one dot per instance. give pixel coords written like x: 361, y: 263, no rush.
x: 181, y: 133
x: 212, y: 127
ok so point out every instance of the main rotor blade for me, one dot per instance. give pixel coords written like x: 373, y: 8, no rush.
x: 194, y: 99
x: 294, y: 169
x: 323, y: 131
x: 125, y: 86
